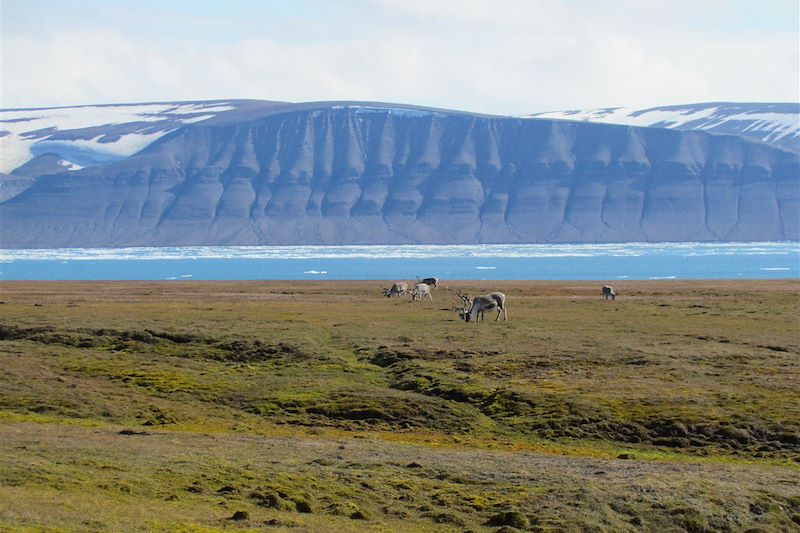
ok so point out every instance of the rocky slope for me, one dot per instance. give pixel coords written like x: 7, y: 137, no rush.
x: 334, y: 173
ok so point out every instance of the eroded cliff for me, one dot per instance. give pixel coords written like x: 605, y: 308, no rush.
x: 335, y: 174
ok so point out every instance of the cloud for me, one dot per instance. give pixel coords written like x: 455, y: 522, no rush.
x: 503, y: 56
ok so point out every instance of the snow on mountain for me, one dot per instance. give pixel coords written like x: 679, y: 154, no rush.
x: 87, y: 135
x: 774, y: 123
x: 252, y: 172
x: 84, y: 136
x: 370, y: 173
x: 69, y: 165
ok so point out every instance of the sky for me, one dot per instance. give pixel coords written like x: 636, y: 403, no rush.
x: 489, y: 56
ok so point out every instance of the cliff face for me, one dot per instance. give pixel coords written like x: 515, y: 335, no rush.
x: 336, y: 174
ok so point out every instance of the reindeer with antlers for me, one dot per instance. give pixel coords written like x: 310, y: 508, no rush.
x: 398, y: 289
x: 474, y: 308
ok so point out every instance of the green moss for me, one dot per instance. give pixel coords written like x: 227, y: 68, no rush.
x: 648, y: 379
x: 159, y: 379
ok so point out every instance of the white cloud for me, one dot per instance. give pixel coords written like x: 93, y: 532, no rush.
x: 503, y: 56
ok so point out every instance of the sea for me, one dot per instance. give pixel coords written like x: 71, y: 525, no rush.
x: 607, y: 262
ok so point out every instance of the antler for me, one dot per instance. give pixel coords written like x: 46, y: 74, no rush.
x: 466, y: 302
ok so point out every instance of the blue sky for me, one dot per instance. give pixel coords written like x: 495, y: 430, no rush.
x: 498, y: 56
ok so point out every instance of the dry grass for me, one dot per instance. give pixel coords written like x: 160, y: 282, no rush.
x: 317, y: 396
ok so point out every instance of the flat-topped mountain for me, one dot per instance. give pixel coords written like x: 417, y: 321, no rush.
x: 251, y: 172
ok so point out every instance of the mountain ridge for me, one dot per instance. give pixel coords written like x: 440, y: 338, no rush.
x: 361, y: 173
x: 776, y: 123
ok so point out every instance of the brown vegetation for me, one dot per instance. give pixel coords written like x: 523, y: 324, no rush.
x: 325, y: 406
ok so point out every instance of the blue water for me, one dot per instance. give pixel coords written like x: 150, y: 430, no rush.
x: 763, y: 260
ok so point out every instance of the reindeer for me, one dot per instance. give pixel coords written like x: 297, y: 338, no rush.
x: 421, y: 291
x: 474, y: 309
x: 432, y: 282
x: 608, y: 292
x: 399, y: 289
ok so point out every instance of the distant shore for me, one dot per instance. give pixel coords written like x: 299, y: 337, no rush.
x: 611, y: 262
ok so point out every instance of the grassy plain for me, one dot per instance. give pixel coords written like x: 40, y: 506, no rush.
x: 323, y: 406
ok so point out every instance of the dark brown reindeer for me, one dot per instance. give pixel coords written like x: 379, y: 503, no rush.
x: 608, y: 292
x: 474, y: 308
x: 432, y: 282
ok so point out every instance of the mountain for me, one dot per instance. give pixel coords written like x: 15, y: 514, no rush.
x: 777, y: 124
x: 253, y: 172
x: 88, y: 135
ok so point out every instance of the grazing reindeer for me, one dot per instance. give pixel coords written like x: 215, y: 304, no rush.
x: 466, y: 304
x: 398, y: 289
x: 474, y: 309
x: 608, y: 292
x: 421, y: 291
x: 431, y: 282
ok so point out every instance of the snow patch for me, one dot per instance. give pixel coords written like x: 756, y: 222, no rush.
x: 69, y: 165
x: 28, y: 129
x: 209, y: 107
x: 397, y: 111
x: 760, y: 121
x: 197, y: 119
x: 94, y: 150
